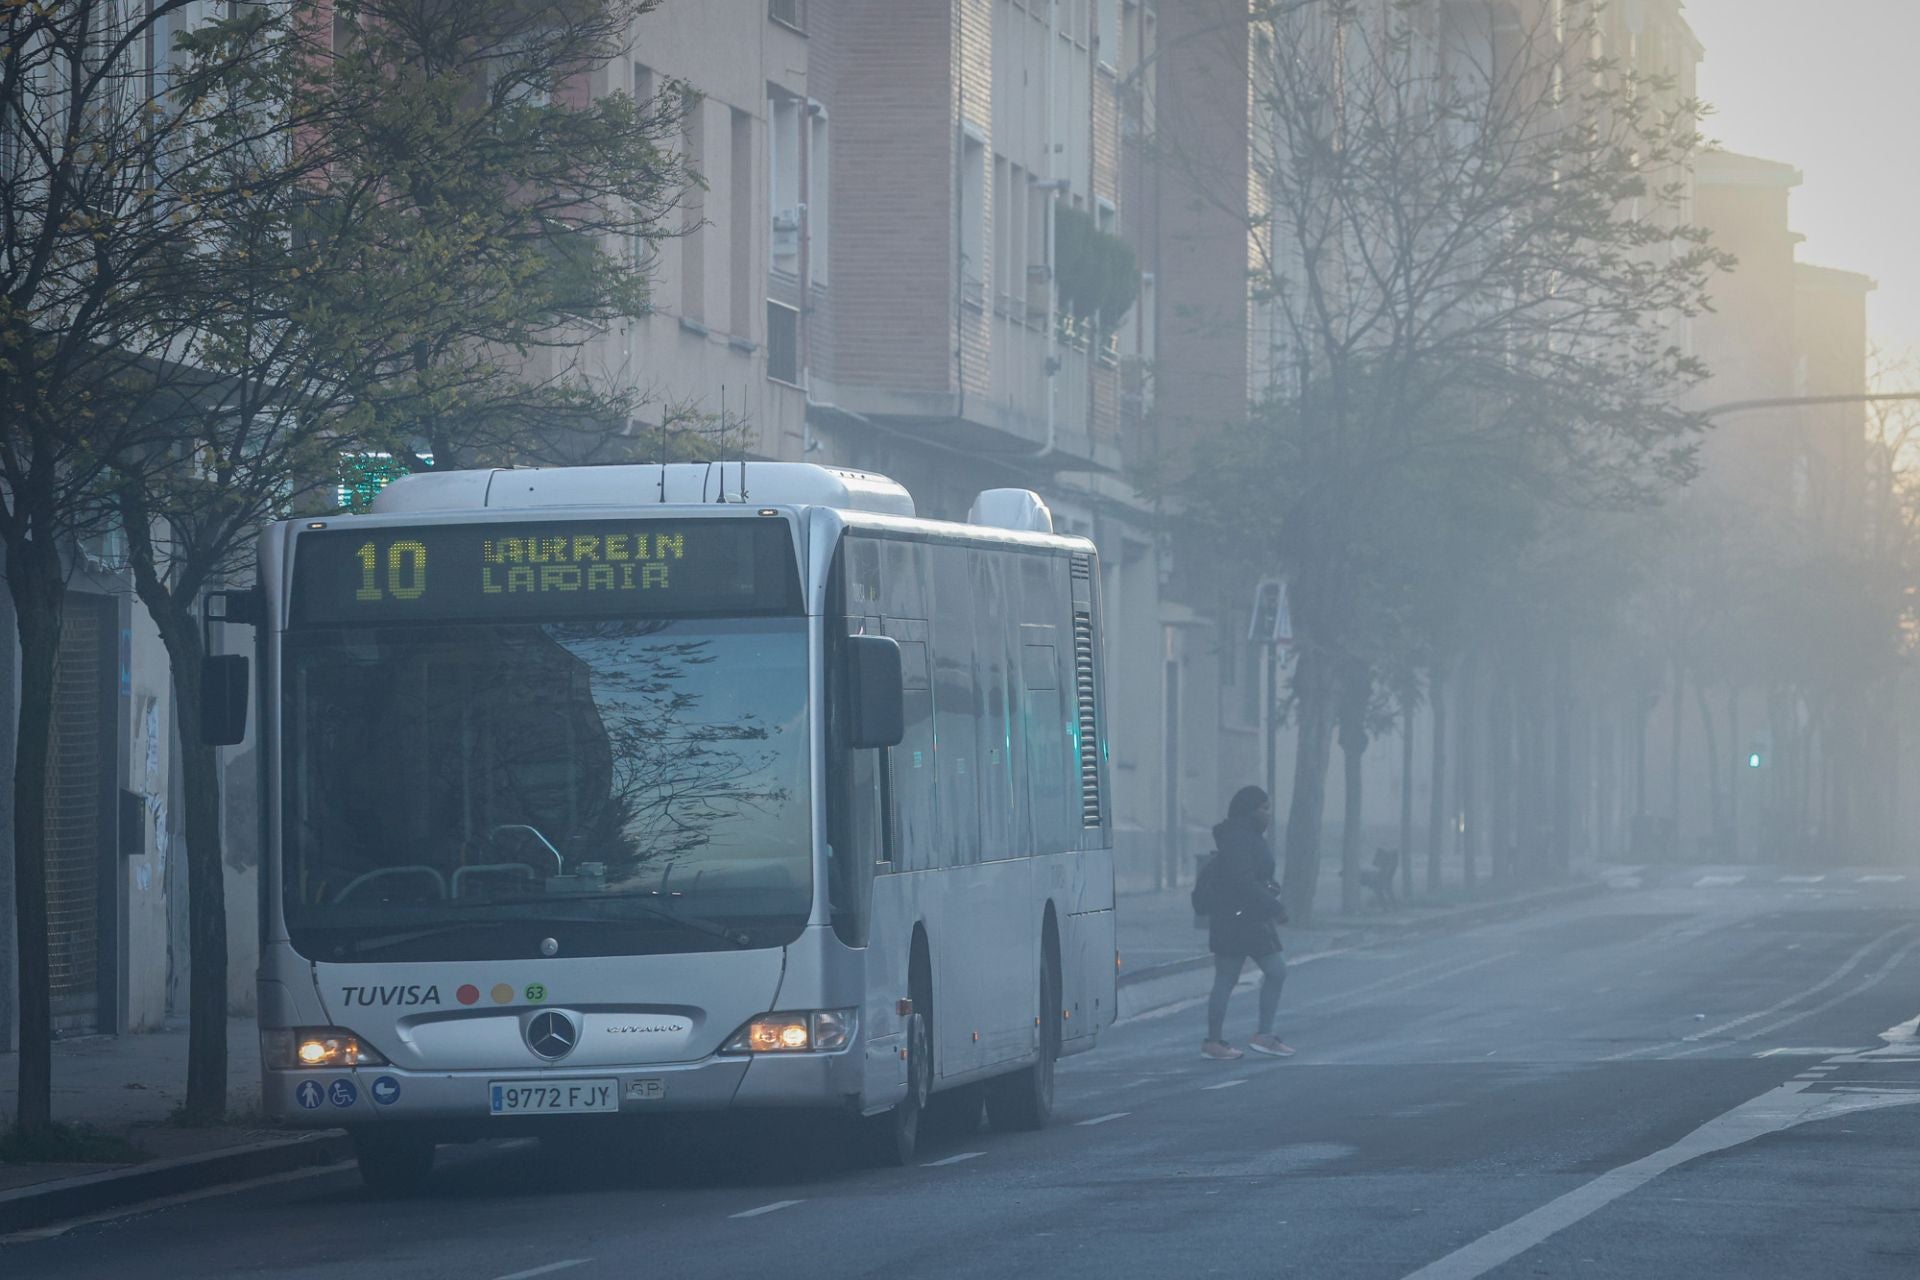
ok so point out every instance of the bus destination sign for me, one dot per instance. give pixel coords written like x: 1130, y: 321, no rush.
x: 544, y: 570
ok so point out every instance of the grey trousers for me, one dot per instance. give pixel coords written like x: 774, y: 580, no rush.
x: 1226, y: 973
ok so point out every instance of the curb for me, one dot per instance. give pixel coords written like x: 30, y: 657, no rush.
x: 1466, y: 915
x: 25, y: 1208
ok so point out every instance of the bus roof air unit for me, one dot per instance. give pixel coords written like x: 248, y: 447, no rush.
x: 1022, y: 510
x: 675, y: 484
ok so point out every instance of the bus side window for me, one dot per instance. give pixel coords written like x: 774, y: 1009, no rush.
x: 956, y: 709
x: 913, y: 765
x: 992, y: 694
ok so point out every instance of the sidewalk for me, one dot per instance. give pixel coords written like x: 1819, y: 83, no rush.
x: 123, y: 1091
x: 127, y: 1087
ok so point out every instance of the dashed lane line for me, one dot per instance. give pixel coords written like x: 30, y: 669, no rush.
x: 964, y: 1155
x: 1881, y: 879
x: 547, y: 1270
x: 1717, y: 882
x: 1112, y: 1115
x: 1224, y: 1084
x: 775, y: 1207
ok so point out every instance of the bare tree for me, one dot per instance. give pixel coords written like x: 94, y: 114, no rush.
x: 1471, y: 268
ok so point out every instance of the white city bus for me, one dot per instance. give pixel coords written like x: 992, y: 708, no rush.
x: 615, y: 791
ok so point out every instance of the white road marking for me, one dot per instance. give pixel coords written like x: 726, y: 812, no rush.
x: 775, y: 1207
x: 167, y: 1202
x: 1772, y: 1112
x: 1881, y: 879
x: 1113, y: 1115
x: 1224, y: 1084
x: 964, y: 1155
x: 1801, y: 879
x: 1717, y: 882
x: 547, y: 1270
x: 1851, y: 963
x: 1804, y: 1053
x: 1865, y: 985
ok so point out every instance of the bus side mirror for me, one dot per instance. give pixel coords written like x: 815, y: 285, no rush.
x: 223, y: 699
x: 876, y: 711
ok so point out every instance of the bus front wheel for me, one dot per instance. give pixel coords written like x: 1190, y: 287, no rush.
x: 896, y: 1133
x: 393, y: 1164
x: 1024, y: 1100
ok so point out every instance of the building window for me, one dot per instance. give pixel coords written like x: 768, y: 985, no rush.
x: 973, y: 214
x: 783, y: 186
x: 819, y: 192
x: 1039, y: 255
x: 783, y: 343
x: 1107, y: 32
x: 791, y: 13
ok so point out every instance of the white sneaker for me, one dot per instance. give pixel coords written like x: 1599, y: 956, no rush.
x: 1220, y: 1051
x: 1271, y: 1046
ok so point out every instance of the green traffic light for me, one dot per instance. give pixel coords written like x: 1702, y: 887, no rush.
x: 1753, y: 760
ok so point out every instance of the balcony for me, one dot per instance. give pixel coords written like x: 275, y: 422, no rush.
x: 788, y: 13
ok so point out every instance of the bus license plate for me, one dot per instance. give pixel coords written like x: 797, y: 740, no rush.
x: 553, y: 1097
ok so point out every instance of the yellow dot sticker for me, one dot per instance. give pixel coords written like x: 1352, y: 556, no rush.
x: 502, y: 993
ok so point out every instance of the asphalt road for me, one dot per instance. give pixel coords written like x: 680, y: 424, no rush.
x: 1712, y: 1079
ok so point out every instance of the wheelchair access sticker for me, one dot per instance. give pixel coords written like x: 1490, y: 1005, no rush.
x: 341, y: 1093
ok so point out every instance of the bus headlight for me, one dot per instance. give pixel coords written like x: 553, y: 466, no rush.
x: 317, y: 1048
x: 814, y: 1031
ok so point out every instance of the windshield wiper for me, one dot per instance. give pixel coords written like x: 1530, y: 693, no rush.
x: 359, y: 945
x: 711, y: 928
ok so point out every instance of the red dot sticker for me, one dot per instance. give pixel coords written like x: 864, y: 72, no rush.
x: 467, y: 994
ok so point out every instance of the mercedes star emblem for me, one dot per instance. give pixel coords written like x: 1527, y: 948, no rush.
x: 552, y: 1035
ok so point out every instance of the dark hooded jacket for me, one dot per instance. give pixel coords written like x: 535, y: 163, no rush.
x: 1249, y: 908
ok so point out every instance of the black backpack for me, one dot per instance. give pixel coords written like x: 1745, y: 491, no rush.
x: 1206, y: 889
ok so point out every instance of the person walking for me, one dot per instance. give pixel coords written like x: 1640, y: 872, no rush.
x: 1242, y: 924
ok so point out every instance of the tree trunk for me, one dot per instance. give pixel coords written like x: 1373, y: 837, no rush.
x: 1406, y: 799
x: 1437, y: 823
x: 1673, y: 759
x: 1356, y: 692
x: 1314, y: 699
x: 1502, y: 791
x: 1469, y: 809
x: 206, y: 1099
x: 37, y: 583
x: 1562, y: 822
x: 1716, y: 797
x: 1737, y: 782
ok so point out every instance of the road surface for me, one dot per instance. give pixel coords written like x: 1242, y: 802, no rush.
x: 1693, y: 1074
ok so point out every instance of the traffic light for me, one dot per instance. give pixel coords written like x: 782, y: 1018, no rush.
x: 1755, y: 758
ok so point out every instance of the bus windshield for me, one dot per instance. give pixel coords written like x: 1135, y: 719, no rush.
x: 492, y: 790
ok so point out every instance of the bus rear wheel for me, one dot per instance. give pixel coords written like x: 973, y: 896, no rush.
x: 895, y: 1135
x: 1023, y: 1101
x: 393, y: 1164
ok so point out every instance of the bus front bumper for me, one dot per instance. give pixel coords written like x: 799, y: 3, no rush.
x: 383, y: 1095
